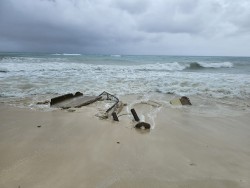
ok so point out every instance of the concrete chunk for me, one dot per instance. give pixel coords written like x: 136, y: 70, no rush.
x: 73, y: 101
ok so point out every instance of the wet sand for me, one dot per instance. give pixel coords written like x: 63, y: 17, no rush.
x: 62, y: 149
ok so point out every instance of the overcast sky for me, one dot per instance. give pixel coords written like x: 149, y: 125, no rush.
x: 167, y: 27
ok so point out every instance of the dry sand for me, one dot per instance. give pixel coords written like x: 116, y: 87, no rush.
x: 76, y: 149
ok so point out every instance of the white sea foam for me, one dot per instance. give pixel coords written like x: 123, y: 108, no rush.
x: 67, y: 54
x: 216, y: 65
x: 162, y: 67
x: 24, y: 77
x: 115, y: 55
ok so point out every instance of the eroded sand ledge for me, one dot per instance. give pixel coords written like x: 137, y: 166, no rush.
x: 79, y: 150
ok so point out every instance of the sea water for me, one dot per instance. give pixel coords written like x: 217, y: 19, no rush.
x: 34, y: 75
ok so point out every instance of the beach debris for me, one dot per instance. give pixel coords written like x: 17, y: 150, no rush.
x: 118, y: 108
x: 73, y: 101
x: 61, y: 98
x: 107, y: 96
x: 39, y: 126
x: 118, y: 142
x: 115, y: 118
x: 115, y: 107
x: 102, y: 115
x: 135, y: 115
x: 181, y: 101
x: 139, y: 125
x: 175, y: 102
x: 150, y: 109
x: 78, y: 100
x: 185, y: 101
x: 142, y: 125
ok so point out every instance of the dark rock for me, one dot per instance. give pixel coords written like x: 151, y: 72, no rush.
x: 142, y: 124
x: 185, y: 101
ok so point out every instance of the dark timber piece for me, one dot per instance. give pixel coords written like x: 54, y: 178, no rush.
x: 61, y: 98
x: 135, y: 115
x: 115, y: 118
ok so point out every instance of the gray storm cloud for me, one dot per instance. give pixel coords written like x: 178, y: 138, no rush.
x: 184, y: 27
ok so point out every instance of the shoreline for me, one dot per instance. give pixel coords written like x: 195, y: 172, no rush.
x: 209, y: 105
x: 76, y: 149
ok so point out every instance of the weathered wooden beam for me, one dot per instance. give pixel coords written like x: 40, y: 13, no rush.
x: 135, y: 115
x: 115, y: 118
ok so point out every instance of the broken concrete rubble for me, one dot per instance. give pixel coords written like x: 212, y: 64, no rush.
x: 73, y: 101
x: 115, y: 106
x: 78, y: 100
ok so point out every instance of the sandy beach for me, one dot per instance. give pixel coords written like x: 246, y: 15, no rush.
x: 62, y: 149
x: 73, y: 74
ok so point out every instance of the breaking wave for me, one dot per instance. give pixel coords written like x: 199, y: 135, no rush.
x: 68, y: 54
x: 178, y: 66
x: 200, y: 65
x: 115, y: 55
x: 31, y: 76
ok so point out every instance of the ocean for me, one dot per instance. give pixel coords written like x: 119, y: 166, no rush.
x: 37, y: 76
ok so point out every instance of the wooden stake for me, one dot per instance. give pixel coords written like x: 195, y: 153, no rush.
x: 135, y: 115
x: 115, y: 118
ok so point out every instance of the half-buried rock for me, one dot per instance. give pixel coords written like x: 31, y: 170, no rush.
x: 142, y: 125
x: 185, y: 101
